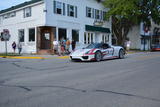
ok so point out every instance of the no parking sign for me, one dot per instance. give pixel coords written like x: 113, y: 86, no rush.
x: 6, y: 35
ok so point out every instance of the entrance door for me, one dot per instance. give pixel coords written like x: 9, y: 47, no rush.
x: 45, y: 39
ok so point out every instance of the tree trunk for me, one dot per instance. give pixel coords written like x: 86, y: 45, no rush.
x: 120, y: 28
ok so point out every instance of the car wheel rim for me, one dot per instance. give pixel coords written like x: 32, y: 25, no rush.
x: 121, y: 54
x: 98, y: 56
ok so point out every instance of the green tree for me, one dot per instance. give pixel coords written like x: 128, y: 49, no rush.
x: 127, y: 13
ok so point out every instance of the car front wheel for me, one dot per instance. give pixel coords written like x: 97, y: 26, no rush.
x: 98, y: 56
x: 121, y: 54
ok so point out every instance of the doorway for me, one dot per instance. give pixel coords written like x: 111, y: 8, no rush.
x: 45, y: 39
x: 62, y: 33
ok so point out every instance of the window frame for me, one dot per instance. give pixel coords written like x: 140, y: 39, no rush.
x: 77, y: 38
x: 27, y: 12
x: 71, y: 12
x: 89, y: 12
x: 19, y: 35
x: 97, y: 14
x: 89, y: 37
x: 59, y: 5
x: 105, y: 38
x: 34, y: 36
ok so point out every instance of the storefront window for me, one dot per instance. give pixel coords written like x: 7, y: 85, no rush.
x: 21, y: 35
x: 105, y: 38
x: 31, y: 34
x: 85, y: 41
x: 88, y: 38
x: 75, y: 35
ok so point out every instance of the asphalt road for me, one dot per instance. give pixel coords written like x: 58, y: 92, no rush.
x: 130, y: 82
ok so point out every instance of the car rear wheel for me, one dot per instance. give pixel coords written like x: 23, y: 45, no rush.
x: 98, y: 56
x: 121, y: 54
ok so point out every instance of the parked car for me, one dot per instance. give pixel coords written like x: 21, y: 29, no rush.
x: 155, y: 47
x: 98, y: 52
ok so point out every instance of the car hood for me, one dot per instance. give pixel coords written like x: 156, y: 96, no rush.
x: 80, y: 52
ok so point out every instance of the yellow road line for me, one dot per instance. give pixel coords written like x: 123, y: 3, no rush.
x: 22, y: 57
x: 63, y: 57
x: 30, y: 57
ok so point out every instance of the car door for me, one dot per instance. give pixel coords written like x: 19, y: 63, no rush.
x: 107, y: 51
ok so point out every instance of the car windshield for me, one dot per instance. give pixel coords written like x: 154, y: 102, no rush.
x: 93, y: 45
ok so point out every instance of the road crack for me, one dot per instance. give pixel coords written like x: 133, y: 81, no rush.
x: 29, y: 88
x: 126, y: 94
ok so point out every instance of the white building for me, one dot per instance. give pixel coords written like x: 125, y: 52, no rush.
x: 38, y: 23
x: 144, y: 38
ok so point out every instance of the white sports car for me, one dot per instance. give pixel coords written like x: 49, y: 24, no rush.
x: 98, y: 52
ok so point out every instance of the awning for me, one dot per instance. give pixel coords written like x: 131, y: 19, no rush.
x: 97, y: 29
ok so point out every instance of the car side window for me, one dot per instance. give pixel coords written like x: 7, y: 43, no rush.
x: 105, y: 46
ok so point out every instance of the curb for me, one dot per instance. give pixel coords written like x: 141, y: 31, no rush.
x: 131, y: 52
x: 21, y: 57
x: 30, y: 57
x: 63, y: 57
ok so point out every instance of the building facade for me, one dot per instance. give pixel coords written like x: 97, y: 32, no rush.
x: 37, y: 23
x: 144, y: 38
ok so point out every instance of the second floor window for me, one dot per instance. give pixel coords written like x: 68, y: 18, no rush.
x: 59, y: 8
x: 27, y: 12
x: 88, y: 12
x: 97, y: 14
x: 72, y: 10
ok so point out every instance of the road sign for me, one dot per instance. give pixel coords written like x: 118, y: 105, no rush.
x: 6, y: 35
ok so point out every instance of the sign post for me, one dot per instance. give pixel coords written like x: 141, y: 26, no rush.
x: 6, y: 37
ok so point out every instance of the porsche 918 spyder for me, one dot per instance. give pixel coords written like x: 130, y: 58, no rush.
x: 98, y: 52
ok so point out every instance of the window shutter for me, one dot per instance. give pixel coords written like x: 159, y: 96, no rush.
x: 54, y: 4
x: 86, y: 11
x: 64, y: 12
x: 24, y: 12
x: 30, y: 9
x: 93, y: 13
x: 101, y: 15
x: 76, y: 11
x: 67, y: 9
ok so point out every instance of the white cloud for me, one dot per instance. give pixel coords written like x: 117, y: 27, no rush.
x: 9, y: 3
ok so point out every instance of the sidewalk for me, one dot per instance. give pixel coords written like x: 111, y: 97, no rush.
x: 30, y: 56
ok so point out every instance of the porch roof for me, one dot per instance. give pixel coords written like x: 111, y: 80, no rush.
x: 97, y: 29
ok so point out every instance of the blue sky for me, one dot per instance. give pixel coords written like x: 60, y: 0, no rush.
x: 9, y: 3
